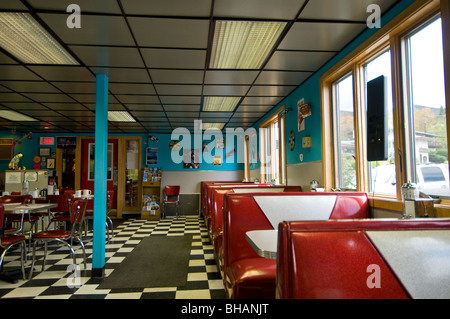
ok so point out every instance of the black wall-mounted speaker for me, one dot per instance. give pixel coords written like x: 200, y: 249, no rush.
x: 377, y: 120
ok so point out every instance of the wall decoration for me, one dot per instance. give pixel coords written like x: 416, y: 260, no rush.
x: 304, y: 110
x: 66, y: 141
x: 174, y: 145
x: 50, y: 163
x: 190, y: 158
x: 217, y: 160
x: 152, y: 156
x: 44, y: 151
x: 220, y: 143
x: 292, y: 140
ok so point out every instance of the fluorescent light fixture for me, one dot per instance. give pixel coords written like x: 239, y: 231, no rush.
x: 15, y: 116
x: 206, y: 126
x: 120, y: 116
x: 22, y: 36
x: 243, y: 44
x: 220, y: 103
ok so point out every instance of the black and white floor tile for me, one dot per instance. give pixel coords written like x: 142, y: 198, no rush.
x: 58, y: 282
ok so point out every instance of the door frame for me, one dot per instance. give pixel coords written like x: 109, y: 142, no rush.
x: 121, y: 178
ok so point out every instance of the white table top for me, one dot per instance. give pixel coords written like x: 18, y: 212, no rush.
x: 264, y: 242
x: 23, y: 208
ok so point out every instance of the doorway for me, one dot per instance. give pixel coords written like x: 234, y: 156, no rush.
x: 88, y: 167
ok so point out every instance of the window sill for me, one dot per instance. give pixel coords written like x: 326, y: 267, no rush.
x: 442, y: 210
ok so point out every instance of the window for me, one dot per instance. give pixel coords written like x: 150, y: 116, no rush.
x: 408, y: 52
x: 382, y: 177
x: 272, y: 142
x: 91, y: 167
x: 344, y: 130
x: 425, y: 117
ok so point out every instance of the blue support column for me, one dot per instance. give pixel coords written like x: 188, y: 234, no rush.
x: 100, y: 176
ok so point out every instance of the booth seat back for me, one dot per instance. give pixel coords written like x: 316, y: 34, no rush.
x: 211, y: 188
x: 218, y: 196
x: 203, y: 185
x: 243, y: 213
x: 387, y: 259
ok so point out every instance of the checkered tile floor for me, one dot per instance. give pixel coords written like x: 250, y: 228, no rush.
x: 203, y: 282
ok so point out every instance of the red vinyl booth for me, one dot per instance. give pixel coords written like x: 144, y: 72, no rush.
x: 203, y: 192
x: 246, y: 274
x: 216, y: 229
x: 338, y: 259
x: 211, y: 188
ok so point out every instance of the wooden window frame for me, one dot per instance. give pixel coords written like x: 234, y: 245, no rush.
x: 280, y: 117
x: 388, y: 37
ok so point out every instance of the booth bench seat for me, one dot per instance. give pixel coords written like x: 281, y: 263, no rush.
x: 388, y: 259
x: 246, y: 274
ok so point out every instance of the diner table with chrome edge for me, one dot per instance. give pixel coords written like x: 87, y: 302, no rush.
x: 19, y: 208
x: 264, y: 242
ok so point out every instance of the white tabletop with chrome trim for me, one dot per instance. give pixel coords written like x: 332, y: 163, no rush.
x: 264, y: 242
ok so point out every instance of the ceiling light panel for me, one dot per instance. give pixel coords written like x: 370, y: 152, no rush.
x: 120, y: 116
x: 206, y: 126
x: 22, y: 36
x: 243, y: 44
x: 220, y: 103
x: 15, y: 116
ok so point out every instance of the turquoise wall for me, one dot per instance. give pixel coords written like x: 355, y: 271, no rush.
x: 30, y: 148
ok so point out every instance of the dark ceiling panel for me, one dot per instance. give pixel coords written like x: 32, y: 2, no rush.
x: 156, y: 54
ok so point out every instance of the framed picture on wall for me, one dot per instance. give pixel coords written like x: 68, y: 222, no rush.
x: 44, y: 151
x: 50, y: 163
x: 152, y: 155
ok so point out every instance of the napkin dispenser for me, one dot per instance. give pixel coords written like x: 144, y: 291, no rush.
x: 420, y: 207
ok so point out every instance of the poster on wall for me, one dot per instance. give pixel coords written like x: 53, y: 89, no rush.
x: 190, y: 158
x: 152, y: 156
x: 217, y: 160
x: 301, y: 119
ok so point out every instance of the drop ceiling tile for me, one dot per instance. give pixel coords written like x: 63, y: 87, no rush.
x: 174, y: 58
x: 31, y: 86
x: 66, y: 106
x: 261, y: 100
x: 125, y: 75
x: 178, y: 89
x: 177, y: 76
x: 97, y: 6
x: 111, y: 106
x: 261, y: 9
x: 12, y: 5
x: 255, y: 108
x: 17, y: 72
x: 182, y: 115
x: 128, y: 88
x: 267, y: 90
x: 167, y: 99
x: 320, y: 36
x: 187, y: 108
x: 149, y: 115
x: 24, y: 106
x: 215, y: 115
x: 95, y: 29
x: 13, y: 97
x: 4, y: 59
x: 84, y: 114
x: 225, y: 90
x: 76, y: 87
x: 298, y: 61
x: 4, y: 89
x: 351, y: 10
x: 230, y: 77
x: 63, y: 73
x: 49, y: 97
x: 251, y: 116
x: 144, y: 107
x: 190, y: 8
x: 136, y: 99
x: 170, y: 33
x: 108, y: 56
x: 281, y: 78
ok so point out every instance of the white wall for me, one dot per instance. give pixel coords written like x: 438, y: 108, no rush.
x: 189, y: 180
